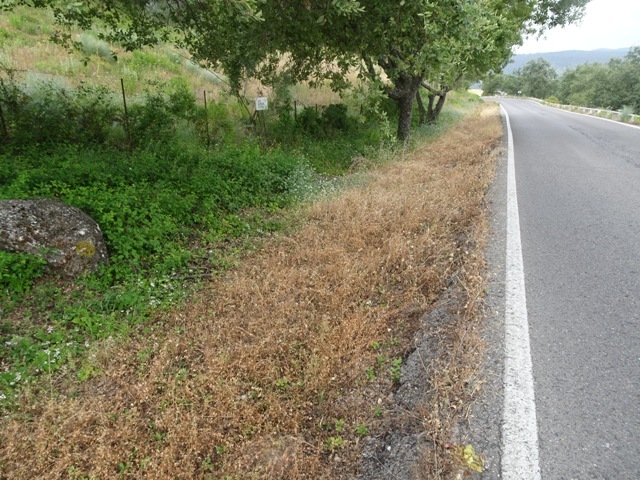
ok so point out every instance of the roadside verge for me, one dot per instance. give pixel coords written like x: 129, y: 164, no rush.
x: 287, y: 366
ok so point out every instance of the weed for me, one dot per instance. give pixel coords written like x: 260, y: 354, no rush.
x: 362, y: 430
x: 283, y: 384
x: 395, y: 369
x: 334, y: 443
x: 221, y: 449
x: 18, y: 271
x: 370, y: 373
x: 626, y: 113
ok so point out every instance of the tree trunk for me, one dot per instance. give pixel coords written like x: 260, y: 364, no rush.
x: 404, y: 93
x: 421, y: 110
x: 431, y: 116
x: 440, y: 104
x: 434, y: 112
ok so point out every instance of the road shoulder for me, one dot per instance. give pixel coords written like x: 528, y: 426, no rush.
x: 483, y: 427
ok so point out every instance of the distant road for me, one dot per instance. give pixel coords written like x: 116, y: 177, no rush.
x: 578, y: 195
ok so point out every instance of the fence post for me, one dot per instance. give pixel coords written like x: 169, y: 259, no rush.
x: 5, y: 132
x: 206, y: 119
x: 126, y: 113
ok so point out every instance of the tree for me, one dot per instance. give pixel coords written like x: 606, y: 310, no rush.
x: 493, y: 84
x: 625, y: 81
x: 586, y: 85
x: 538, y: 78
x: 413, y: 42
x: 613, y: 85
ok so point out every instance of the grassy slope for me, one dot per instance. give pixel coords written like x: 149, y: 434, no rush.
x: 278, y: 368
x: 172, y: 213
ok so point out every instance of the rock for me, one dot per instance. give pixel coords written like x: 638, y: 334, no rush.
x: 66, y: 237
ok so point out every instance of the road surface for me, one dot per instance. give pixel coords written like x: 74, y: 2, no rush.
x: 578, y: 202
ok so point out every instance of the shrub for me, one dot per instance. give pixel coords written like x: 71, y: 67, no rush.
x: 44, y: 112
x: 335, y: 117
x: 94, y: 46
x: 310, y: 121
x: 553, y: 99
x: 625, y: 114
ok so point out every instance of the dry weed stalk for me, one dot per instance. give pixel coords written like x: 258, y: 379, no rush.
x: 262, y: 375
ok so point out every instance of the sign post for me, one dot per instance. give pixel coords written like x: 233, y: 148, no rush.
x: 262, y: 104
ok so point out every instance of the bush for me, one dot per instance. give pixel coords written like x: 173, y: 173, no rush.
x: 553, y: 99
x: 310, y: 121
x: 625, y: 114
x: 335, y: 117
x: 94, y: 46
x: 47, y: 113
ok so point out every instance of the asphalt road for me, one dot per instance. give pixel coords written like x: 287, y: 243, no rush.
x: 578, y: 194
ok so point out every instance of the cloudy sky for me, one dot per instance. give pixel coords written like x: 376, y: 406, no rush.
x: 606, y: 24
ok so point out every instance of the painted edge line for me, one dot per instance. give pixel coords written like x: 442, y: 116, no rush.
x: 519, y: 426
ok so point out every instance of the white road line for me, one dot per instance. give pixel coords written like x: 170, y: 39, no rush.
x: 519, y: 427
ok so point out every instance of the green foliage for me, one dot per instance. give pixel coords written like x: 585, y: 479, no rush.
x: 19, y: 271
x: 411, y: 41
x: 149, y: 60
x: 171, y: 210
x: 538, y: 79
x: 625, y: 114
x: 45, y: 113
x: 310, y: 121
x: 334, y: 443
x: 611, y: 86
x: 335, y: 117
x: 395, y: 369
x: 94, y: 46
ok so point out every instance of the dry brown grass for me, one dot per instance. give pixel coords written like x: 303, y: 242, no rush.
x: 249, y: 380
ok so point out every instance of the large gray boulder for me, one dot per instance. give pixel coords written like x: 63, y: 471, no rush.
x: 66, y: 237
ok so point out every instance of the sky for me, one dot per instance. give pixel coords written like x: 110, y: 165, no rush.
x: 606, y: 24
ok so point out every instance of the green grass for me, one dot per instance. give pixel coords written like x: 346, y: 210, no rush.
x: 174, y: 206
x: 172, y: 211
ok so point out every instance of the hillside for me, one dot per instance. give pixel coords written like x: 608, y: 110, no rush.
x: 567, y: 59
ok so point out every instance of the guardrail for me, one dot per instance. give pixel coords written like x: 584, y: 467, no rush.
x: 596, y: 112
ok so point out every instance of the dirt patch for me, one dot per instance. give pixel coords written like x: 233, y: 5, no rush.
x: 313, y: 354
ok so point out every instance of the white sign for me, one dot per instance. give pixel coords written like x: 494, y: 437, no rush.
x: 261, y: 104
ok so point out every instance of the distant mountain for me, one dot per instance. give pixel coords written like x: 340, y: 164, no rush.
x: 562, y: 61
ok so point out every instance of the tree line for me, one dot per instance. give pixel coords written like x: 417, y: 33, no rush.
x: 614, y: 85
x: 399, y: 46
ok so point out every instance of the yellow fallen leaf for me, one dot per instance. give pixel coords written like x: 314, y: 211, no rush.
x: 470, y: 459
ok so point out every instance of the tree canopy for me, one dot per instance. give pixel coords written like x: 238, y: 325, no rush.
x: 414, y: 43
x: 613, y: 85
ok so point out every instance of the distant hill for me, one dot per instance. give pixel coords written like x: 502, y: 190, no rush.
x: 562, y: 61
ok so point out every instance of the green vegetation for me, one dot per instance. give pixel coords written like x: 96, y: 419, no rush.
x: 176, y: 201
x: 173, y: 210
x: 613, y: 86
x: 397, y: 46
